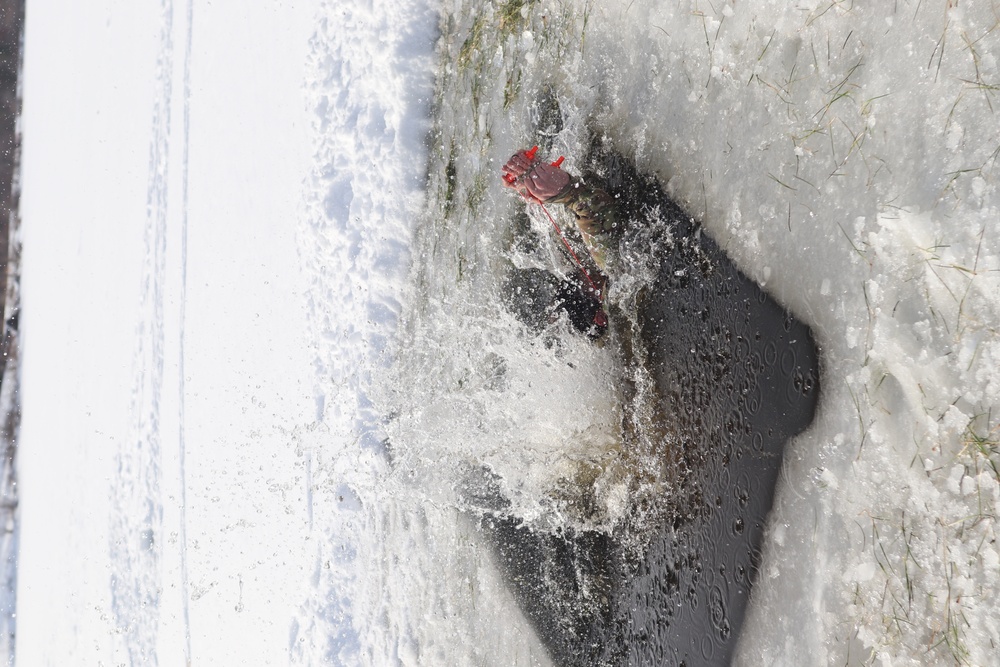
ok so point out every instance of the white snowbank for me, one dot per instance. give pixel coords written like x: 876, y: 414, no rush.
x: 393, y: 571
x: 164, y: 507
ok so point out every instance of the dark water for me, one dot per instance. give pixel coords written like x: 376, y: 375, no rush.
x: 736, y: 375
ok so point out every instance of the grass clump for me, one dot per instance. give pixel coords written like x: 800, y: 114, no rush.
x: 504, y: 22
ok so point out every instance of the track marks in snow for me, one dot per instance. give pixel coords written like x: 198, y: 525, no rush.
x: 136, y: 528
x: 138, y: 535
x: 181, y: 441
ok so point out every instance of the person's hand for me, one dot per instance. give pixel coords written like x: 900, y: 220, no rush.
x: 533, y: 179
x: 545, y: 181
x: 517, y: 166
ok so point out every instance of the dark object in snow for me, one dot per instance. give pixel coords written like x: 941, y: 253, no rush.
x: 738, y: 375
x: 536, y: 297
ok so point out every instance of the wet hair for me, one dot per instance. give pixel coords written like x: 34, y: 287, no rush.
x: 535, y: 297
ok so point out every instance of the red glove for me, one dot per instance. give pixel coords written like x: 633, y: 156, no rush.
x: 533, y: 178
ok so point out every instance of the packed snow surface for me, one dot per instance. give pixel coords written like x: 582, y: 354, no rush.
x: 263, y: 257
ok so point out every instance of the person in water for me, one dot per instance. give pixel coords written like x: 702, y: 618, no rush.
x: 597, y: 219
x: 537, y: 298
x: 596, y: 213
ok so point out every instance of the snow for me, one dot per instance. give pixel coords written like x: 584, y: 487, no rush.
x: 262, y: 342
x: 165, y: 364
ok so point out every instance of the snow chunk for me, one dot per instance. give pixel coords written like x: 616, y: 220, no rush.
x: 978, y: 186
x: 954, y: 482
x: 991, y: 560
x: 969, y: 485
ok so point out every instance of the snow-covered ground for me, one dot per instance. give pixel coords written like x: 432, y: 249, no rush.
x: 261, y: 339
x: 165, y: 495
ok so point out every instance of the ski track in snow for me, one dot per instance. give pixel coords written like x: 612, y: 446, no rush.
x: 135, y: 579
x: 181, y: 442
x: 137, y: 526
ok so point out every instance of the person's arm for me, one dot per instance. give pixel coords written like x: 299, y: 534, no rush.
x: 595, y: 210
x: 596, y: 214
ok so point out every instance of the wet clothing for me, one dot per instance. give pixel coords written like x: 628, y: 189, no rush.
x: 537, y: 298
x: 597, y: 217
